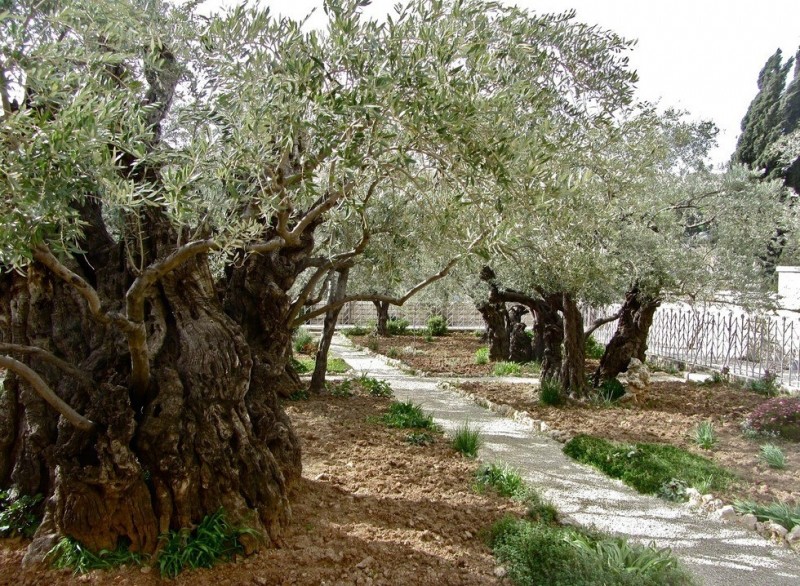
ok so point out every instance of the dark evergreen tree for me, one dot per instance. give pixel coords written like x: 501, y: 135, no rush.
x: 790, y: 106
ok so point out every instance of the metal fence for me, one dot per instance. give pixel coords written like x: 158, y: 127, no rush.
x: 716, y: 338
x: 735, y: 342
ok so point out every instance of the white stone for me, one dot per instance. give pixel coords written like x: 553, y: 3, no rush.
x: 543, y: 426
x: 726, y: 513
x: 776, y: 529
x: 365, y: 562
x: 500, y: 572
x: 793, y: 535
x: 748, y: 521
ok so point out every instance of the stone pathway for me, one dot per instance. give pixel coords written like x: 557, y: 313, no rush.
x: 717, y: 553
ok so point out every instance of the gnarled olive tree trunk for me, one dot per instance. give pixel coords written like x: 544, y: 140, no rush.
x: 572, y: 375
x: 206, y: 433
x: 382, y: 311
x: 630, y: 338
x: 337, y: 293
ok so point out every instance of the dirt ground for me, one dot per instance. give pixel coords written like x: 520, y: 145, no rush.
x: 370, y: 509
x: 670, y: 415
x: 453, y: 354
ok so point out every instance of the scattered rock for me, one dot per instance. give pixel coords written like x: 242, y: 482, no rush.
x: 726, y: 513
x: 366, y: 562
x: 323, y: 476
x: 794, y: 535
x: 261, y: 581
x: 775, y: 529
x: 500, y: 572
x: 638, y: 380
x: 146, y: 569
x: 749, y: 521
x: 706, y: 498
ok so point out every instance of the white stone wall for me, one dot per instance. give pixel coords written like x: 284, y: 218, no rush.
x: 789, y: 287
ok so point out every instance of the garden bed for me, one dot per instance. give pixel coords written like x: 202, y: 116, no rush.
x: 371, y: 508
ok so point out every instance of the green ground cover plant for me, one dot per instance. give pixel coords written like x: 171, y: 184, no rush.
x: 397, y: 326
x: 303, y: 365
x: 408, y: 415
x: 593, y: 348
x: 506, y: 369
x: 482, y: 356
x: 71, y: 554
x: 467, y: 440
x: 504, y: 479
x: 18, y: 514
x: 303, y: 341
x: 374, y: 387
x: 648, y: 467
x: 766, y: 385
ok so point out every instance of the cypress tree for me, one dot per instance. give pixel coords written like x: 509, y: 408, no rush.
x: 790, y: 106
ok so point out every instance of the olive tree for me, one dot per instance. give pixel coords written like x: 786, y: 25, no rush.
x: 165, y: 182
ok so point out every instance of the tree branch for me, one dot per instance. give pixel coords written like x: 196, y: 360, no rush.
x: 45, y: 392
x: 43, y: 354
x: 601, y: 321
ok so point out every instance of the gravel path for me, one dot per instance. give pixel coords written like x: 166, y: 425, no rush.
x: 717, y: 553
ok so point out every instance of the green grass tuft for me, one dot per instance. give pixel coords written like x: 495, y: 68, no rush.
x: 505, y: 480
x: 71, y: 554
x: 420, y: 438
x: 467, y: 440
x: 506, y: 369
x: 374, y: 387
x: 647, y: 467
x: 550, y: 393
x: 407, y: 415
x: 593, y: 348
x: 437, y: 325
x: 482, y: 356
x: 780, y: 513
x: 773, y: 456
x: 705, y: 436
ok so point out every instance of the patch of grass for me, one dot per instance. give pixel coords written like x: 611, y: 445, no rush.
x: 374, y: 387
x: 420, y: 438
x: 214, y: 539
x: 773, y: 456
x: 302, y: 341
x: 538, y: 509
x: 647, y: 467
x: 505, y: 480
x: 69, y: 553
x: 546, y: 555
x: 550, y: 393
x: 337, y: 366
x: 482, y: 356
x: 342, y: 389
x: 467, y: 440
x: 593, y: 348
x: 299, y: 395
x: 355, y: 331
x: 303, y: 365
x: 779, y: 512
x: 611, y: 390
x: 407, y: 415
x: 506, y: 369
x: 393, y: 352
x: 19, y: 514
x: 705, y: 436
x: 437, y: 325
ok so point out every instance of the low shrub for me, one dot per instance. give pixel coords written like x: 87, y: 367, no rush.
x: 647, y: 467
x: 551, y: 393
x: 781, y: 513
x: 506, y: 369
x: 467, y: 440
x: 303, y: 365
x: 593, y: 348
x: 538, y: 509
x: 302, y: 341
x: 343, y: 389
x: 397, y: 326
x: 19, y: 514
x: 482, y: 356
x: 674, y: 490
x: 437, y: 325
x: 393, y: 352
x: 765, y: 385
x: 299, y: 395
x: 780, y: 416
x: 611, y: 390
x: 704, y: 435
x: 773, y: 456
x: 407, y: 415
x: 505, y: 480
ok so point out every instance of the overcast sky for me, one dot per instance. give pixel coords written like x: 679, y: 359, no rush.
x: 700, y: 55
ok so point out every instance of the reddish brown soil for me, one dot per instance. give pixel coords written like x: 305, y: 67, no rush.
x: 370, y: 509
x: 670, y: 415
x: 453, y: 354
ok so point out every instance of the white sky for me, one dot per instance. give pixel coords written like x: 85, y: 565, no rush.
x: 699, y: 55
